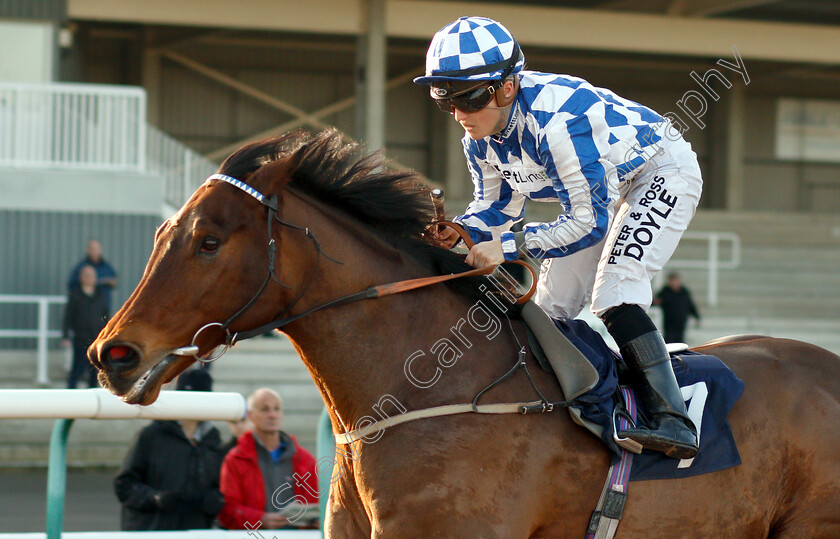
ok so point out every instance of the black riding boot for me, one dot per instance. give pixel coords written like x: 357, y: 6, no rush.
x: 668, y: 430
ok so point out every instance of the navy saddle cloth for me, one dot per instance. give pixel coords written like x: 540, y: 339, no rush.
x: 710, y: 388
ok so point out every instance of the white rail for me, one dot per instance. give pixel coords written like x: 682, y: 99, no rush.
x: 41, y: 333
x: 712, y: 262
x: 67, y: 405
x: 99, y: 403
x: 63, y: 125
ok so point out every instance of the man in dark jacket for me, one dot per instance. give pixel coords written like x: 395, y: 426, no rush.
x: 84, y: 317
x: 170, y: 478
x: 106, y: 275
x: 677, y: 306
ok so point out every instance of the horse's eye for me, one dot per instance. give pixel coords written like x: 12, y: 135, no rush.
x: 209, y: 245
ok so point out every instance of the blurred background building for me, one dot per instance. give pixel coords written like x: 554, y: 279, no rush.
x: 112, y: 112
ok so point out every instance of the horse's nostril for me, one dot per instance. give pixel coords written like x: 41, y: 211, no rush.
x: 120, y: 357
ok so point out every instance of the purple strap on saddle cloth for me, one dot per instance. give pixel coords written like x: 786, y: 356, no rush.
x: 607, y: 514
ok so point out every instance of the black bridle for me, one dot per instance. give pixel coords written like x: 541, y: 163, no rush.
x: 272, y: 204
x: 373, y: 292
x: 283, y: 319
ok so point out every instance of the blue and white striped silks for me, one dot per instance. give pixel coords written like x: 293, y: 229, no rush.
x: 566, y: 141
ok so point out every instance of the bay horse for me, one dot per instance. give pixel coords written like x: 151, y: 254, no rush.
x: 343, y: 224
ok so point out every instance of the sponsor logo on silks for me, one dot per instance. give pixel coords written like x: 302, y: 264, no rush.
x: 519, y: 176
x: 633, y: 238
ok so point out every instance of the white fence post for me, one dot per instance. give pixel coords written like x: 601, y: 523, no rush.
x: 712, y: 292
x: 43, y: 377
x: 712, y: 263
x: 41, y: 333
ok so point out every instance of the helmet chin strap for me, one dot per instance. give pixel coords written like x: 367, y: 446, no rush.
x: 504, y: 117
x: 506, y: 108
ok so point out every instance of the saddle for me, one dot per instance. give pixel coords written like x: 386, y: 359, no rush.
x: 578, y: 356
x: 574, y: 372
x: 556, y: 353
x: 590, y: 373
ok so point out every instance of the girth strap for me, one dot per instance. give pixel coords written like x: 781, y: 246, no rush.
x: 610, y: 508
x: 438, y: 411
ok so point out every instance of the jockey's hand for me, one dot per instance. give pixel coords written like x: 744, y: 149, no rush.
x: 447, y: 236
x: 486, y: 253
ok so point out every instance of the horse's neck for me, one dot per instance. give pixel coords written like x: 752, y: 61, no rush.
x: 360, y: 355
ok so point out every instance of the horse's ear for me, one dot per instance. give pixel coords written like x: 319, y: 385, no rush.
x: 275, y: 175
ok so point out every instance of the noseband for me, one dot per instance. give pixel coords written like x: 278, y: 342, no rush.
x: 281, y: 320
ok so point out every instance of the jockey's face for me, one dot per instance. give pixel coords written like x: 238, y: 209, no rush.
x: 489, y: 120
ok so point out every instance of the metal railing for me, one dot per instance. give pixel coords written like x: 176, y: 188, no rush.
x: 183, y: 169
x: 95, y: 127
x: 712, y: 263
x: 42, y: 331
x: 62, y: 125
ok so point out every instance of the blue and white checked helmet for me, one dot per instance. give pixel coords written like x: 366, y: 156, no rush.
x: 472, y: 48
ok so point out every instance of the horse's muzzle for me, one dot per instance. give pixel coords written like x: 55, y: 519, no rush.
x: 115, y: 357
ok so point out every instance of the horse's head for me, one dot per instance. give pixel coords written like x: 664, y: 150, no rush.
x: 208, y: 261
x: 213, y: 274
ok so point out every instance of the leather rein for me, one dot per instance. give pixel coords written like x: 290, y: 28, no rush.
x: 373, y: 292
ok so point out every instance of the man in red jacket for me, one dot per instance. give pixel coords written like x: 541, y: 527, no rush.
x: 266, y: 472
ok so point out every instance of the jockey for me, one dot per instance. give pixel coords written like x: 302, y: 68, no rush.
x: 626, y: 181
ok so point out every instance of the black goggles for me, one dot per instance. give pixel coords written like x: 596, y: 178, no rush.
x: 470, y: 100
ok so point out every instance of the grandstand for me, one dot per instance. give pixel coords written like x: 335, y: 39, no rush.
x: 112, y: 112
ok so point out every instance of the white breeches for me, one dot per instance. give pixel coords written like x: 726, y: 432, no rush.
x: 654, y: 211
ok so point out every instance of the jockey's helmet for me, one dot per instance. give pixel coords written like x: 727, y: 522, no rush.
x: 464, y: 56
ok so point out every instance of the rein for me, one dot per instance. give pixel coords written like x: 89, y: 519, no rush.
x: 373, y: 292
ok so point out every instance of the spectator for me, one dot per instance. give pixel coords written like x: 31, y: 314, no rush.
x: 237, y: 429
x: 170, y: 478
x: 266, y: 471
x: 677, y: 305
x: 84, y: 317
x: 106, y: 275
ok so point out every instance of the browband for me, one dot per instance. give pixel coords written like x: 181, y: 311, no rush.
x: 242, y: 185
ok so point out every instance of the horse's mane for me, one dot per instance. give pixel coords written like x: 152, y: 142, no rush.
x: 392, y: 203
